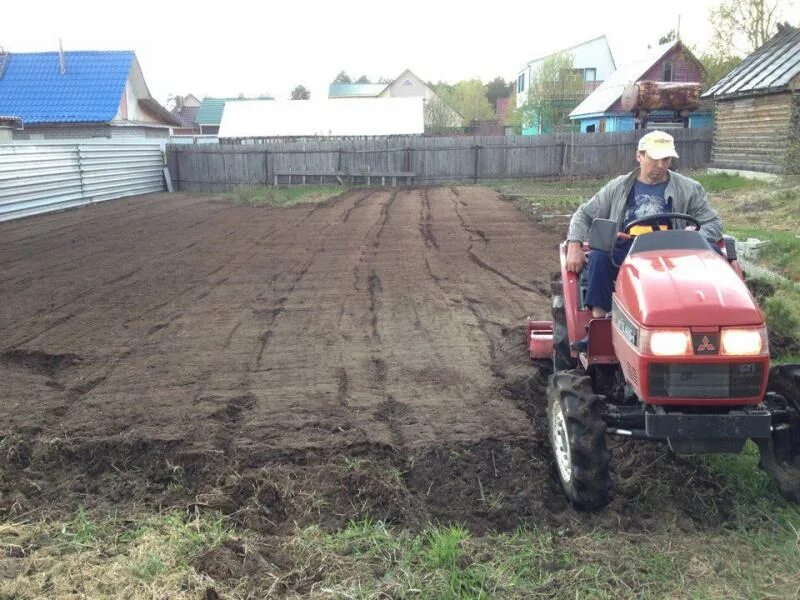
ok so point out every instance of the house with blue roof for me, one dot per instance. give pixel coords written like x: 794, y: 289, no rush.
x: 80, y: 95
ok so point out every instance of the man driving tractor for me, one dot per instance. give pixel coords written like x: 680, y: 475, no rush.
x: 649, y: 190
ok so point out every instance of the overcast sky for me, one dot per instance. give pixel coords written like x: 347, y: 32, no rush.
x: 228, y: 47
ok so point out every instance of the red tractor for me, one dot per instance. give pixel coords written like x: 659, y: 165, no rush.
x: 683, y: 359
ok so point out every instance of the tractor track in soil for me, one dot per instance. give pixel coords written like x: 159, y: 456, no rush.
x: 364, y: 355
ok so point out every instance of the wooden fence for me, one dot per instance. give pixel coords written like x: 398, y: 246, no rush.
x: 419, y: 160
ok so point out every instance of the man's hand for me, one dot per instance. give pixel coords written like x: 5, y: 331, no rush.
x: 576, y: 257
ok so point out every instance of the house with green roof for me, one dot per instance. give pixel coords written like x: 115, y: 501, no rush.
x: 209, y: 116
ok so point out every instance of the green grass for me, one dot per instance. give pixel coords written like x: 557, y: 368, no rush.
x: 753, y: 560
x: 283, y: 196
x: 97, y: 555
x: 724, y: 182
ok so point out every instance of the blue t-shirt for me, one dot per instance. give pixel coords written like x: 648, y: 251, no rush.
x: 645, y: 200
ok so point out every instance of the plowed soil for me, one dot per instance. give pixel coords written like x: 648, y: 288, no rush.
x: 362, y: 357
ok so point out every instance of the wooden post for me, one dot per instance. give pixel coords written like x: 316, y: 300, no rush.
x: 477, y: 158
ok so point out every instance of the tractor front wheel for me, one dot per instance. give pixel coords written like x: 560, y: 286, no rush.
x: 780, y: 454
x: 577, y: 436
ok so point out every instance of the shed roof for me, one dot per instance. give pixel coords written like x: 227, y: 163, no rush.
x: 355, y: 90
x: 608, y: 92
x: 307, y: 118
x: 187, y: 115
x: 33, y: 87
x: 768, y: 69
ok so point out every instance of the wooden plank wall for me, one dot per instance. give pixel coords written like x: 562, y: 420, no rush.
x: 753, y: 133
x: 433, y: 160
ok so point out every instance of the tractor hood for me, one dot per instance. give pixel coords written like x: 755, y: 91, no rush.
x: 674, y: 288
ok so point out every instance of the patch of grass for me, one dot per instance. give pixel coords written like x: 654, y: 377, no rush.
x: 781, y: 254
x: 97, y: 556
x: 725, y: 182
x: 282, y: 196
x: 753, y: 559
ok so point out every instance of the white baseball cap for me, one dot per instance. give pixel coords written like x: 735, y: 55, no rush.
x: 658, y: 145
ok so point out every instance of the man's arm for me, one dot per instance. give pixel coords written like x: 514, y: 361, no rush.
x: 700, y: 209
x: 576, y: 257
x: 598, y: 206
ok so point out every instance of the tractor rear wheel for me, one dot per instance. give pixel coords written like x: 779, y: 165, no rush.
x: 780, y: 454
x: 578, y: 439
x: 562, y: 359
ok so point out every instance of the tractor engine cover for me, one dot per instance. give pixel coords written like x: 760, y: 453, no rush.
x: 694, y: 293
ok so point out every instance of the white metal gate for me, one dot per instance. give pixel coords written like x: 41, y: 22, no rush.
x: 36, y: 179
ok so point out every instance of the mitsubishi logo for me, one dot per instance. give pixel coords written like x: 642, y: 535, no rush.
x: 706, y: 345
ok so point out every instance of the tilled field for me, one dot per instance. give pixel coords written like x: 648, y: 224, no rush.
x: 358, y: 358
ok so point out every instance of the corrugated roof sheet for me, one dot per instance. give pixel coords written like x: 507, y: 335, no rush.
x: 608, y: 92
x: 770, y: 68
x: 306, y: 118
x: 355, y: 90
x: 90, y: 90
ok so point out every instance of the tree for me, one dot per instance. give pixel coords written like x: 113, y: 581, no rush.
x: 439, y: 117
x: 300, y: 93
x: 342, y: 77
x: 717, y: 66
x: 497, y: 88
x: 555, y: 89
x: 668, y: 37
x: 741, y: 26
x: 468, y: 98
x: 363, y: 79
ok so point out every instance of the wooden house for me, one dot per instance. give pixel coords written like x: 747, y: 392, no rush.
x: 603, y: 110
x: 758, y: 109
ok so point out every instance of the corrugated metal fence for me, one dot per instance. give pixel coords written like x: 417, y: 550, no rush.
x: 430, y: 159
x: 36, y: 179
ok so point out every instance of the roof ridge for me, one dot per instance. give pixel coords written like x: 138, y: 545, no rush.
x: 594, y: 39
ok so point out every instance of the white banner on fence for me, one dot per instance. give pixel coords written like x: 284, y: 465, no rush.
x: 36, y: 179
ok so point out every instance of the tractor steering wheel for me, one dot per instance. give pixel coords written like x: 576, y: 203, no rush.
x: 653, y: 221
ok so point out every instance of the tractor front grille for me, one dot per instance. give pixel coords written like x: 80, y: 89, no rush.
x: 733, y: 380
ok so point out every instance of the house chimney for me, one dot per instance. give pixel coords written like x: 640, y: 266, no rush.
x: 61, y: 57
x: 3, y: 60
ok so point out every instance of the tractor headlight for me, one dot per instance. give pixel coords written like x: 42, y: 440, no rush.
x: 744, y: 341
x: 668, y: 342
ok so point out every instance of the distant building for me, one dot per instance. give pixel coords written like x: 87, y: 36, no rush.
x: 209, y: 115
x: 80, y: 95
x: 592, y: 61
x: 406, y: 85
x: 185, y: 110
x: 602, y: 110
x: 758, y: 109
x: 297, y: 119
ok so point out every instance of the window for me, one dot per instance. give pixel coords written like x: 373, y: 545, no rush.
x: 521, y: 83
x: 667, y: 71
x: 588, y: 74
x: 407, y: 83
x: 590, y: 128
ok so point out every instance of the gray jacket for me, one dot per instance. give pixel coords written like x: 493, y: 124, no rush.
x: 686, y: 194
